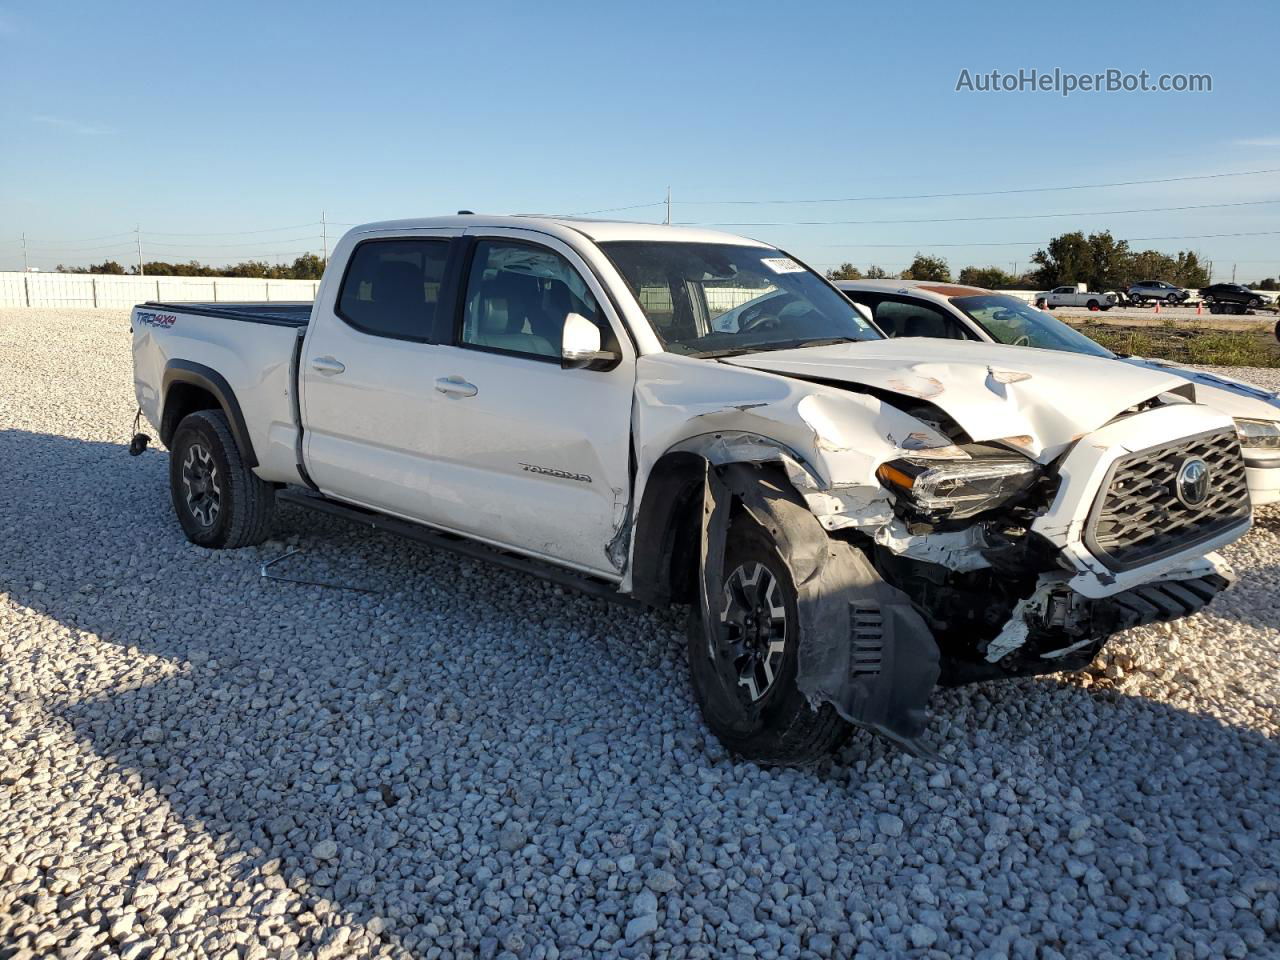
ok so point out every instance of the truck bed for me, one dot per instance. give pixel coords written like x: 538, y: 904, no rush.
x: 284, y: 314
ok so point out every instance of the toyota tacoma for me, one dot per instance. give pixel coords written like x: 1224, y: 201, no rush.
x: 676, y: 416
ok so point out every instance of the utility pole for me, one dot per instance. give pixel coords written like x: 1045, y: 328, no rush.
x: 137, y: 232
x: 25, y: 267
x: 668, y: 206
x: 324, y: 240
x: 1233, y: 273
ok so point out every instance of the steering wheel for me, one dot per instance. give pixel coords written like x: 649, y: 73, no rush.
x: 1022, y: 341
x: 756, y: 319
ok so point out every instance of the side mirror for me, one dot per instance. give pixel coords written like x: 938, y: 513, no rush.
x: 580, y: 345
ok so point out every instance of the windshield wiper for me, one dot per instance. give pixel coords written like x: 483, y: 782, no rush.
x: 767, y: 347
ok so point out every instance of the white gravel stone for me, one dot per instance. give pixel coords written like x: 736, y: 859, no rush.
x: 421, y: 772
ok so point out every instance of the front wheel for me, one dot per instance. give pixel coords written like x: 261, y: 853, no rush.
x: 219, y: 501
x: 743, y: 668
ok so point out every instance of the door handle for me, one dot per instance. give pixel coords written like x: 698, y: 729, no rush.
x: 455, y: 387
x: 327, y: 365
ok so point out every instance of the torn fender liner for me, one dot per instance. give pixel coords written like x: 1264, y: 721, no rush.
x: 863, y: 648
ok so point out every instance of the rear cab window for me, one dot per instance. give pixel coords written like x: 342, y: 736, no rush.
x: 392, y: 287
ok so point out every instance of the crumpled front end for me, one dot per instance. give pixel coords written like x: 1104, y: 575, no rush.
x: 979, y: 553
x: 1125, y: 538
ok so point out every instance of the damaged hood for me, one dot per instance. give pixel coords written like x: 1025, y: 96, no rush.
x: 1038, y: 400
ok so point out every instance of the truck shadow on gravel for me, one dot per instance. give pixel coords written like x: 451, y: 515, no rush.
x: 470, y: 760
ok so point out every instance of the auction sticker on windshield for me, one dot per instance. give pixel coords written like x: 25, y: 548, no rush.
x: 782, y: 265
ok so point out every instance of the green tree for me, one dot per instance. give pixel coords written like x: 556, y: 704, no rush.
x: 1152, y: 265
x: 1190, y: 272
x: 924, y: 267
x: 846, y: 271
x: 875, y: 272
x: 1110, y: 262
x: 1068, y: 259
x: 310, y: 267
x: 993, y: 278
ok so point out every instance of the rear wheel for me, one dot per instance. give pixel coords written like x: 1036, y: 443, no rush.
x: 1092, y: 304
x: 219, y: 501
x: 743, y: 668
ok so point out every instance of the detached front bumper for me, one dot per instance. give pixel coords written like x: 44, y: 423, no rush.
x: 1057, y: 629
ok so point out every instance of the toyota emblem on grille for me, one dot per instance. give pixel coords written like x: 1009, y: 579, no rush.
x: 1193, y: 482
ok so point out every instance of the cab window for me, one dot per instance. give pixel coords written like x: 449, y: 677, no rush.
x: 392, y: 287
x: 910, y: 318
x: 518, y: 295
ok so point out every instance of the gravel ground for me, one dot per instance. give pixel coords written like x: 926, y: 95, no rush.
x: 466, y: 762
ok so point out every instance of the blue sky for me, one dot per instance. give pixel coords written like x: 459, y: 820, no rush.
x: 202, y: 124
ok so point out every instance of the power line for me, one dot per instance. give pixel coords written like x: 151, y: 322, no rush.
x: 972, y: 193
x: 1022, y: 216
x: 236, y: 233
x: 632, y: 206
x: 150, y: 233
x: 1033, y: 243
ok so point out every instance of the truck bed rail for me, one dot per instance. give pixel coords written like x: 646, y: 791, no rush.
x: 277, y: 314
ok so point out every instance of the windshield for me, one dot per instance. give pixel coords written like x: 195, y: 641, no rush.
x: 716, y: 299
x: 1010, y: 320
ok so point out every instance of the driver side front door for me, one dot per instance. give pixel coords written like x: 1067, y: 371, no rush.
x: 529, y: 455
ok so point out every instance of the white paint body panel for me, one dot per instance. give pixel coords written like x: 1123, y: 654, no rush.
x: 380, y: 435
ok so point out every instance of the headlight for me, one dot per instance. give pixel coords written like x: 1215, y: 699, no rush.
x: 958, y: 488
x: 1256, y: 434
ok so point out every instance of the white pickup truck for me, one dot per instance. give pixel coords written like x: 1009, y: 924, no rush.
x: 1074, y: 295
x: 665, y: 415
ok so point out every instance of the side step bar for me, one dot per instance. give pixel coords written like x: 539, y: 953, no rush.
x: 582, y: 582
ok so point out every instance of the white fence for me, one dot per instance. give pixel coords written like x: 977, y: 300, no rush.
x: 109, y: 290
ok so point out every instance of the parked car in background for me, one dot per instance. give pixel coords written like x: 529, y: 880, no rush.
x: 907, y: 308
x: 1231, y: 298
x: 847, y: 521
x: 1146, y: 290
x: 1076, y: 295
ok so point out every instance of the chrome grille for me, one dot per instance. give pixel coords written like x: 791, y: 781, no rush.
x: 1139, y: 517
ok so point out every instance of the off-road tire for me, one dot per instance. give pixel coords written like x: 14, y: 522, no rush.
x: 245, y: 504
x: 781, y: 728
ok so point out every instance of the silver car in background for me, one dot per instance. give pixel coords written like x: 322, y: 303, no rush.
x: 1145, y: 290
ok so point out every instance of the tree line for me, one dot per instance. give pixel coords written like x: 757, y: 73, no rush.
x: 1099, y: 260
x: 306, y: 267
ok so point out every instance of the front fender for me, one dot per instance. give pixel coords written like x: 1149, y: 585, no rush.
x: 863, y: 647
